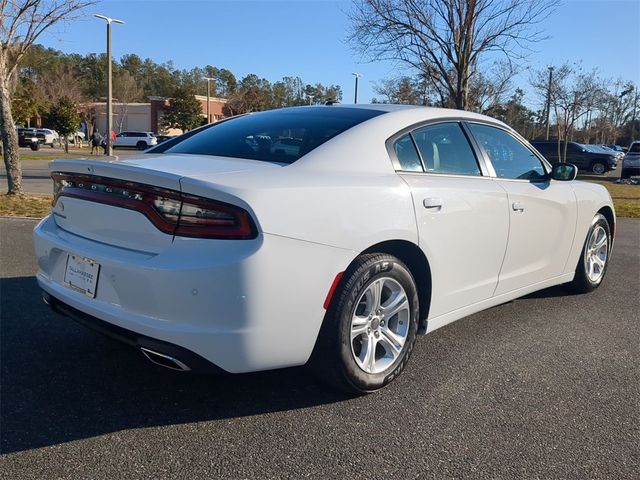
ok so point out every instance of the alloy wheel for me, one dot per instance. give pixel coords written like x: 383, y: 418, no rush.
x: 380, y: 325
x: 596, y: 253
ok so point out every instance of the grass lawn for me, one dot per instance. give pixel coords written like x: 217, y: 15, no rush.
x: 36, y: 206
x: 50, y: 154
x: 626, y: 198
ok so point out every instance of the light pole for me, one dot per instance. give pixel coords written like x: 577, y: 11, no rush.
x: 108, y: 140
x: 208, y: 79
x: 549, y: 99
x: 355, y: 97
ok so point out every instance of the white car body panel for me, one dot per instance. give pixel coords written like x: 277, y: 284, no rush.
x: 465, y: 239
x: 258, y: 304
x: 540, y: 235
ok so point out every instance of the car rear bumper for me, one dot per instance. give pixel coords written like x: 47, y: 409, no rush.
x: 243, y: 305
x: 186, y: 358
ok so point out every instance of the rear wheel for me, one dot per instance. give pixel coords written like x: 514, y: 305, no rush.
x: 35, y: 146
x: 594, y: 259
x: 141, y: 145
x: 370, y: 327
x: 598, y: 168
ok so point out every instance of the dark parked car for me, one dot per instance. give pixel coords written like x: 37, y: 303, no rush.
x: 617, y: 148
x: 631, y: 162
x: 164, y: 138
x: 27, y: 137
x: 580, y: 155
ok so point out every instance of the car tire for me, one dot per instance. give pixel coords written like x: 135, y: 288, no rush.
x: 625, y: 174
x: 590, y: 271
x: 35, y: 147
x: 598, y: 168
x: 356, y: 335
x: 142, y: 145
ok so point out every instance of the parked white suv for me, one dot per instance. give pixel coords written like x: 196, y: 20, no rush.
x: 47, y: 136
x: 139, y: 140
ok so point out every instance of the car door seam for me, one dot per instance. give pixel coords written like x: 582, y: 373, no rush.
x: 506, y: 247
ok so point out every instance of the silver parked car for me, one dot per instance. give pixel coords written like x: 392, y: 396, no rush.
x: 631, y: 162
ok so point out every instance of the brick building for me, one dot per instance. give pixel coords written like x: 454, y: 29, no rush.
x: 147, y: 117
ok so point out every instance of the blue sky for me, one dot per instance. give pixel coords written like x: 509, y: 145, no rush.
x: 307, y: 38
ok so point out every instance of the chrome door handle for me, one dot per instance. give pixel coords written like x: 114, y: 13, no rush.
x: 432, y: 203
x: 517, y: 207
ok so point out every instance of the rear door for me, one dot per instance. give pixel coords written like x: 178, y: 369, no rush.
x: 542, y: 212
x: 462, y: 215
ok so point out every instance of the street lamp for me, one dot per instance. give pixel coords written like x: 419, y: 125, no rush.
x: 109, y: 80
x: 549, y: 100
x: 208, y: 79
x: 357, y: 75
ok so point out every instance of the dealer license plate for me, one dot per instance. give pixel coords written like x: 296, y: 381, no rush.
x: 81, y: 274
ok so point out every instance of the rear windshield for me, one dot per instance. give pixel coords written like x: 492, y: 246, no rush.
x: 281, y: 136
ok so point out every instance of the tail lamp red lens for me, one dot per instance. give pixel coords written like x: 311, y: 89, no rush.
x: 170, y: 211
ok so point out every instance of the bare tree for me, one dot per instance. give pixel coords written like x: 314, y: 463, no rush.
x: 401, y: 90
x: 447, y: 39
x: 487, y: 90
x: 573, y: 96
x: 127, y: 91
x: 21, y: 23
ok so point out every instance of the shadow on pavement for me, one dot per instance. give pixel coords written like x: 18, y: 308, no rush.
x: 61, y: 382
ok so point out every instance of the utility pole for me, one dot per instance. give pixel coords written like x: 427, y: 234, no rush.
x: 357, y: 75
x: 208, y: 79
x: 108, y: 140
x: 549, y: 99
x: 633, y: 117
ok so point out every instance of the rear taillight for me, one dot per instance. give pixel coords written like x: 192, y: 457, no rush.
x: 170, y: 211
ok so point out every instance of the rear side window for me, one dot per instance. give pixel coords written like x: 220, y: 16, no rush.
x: 262, y: 136
x: 445, y: 149
x: 407, y: 154
x: 510, y: 158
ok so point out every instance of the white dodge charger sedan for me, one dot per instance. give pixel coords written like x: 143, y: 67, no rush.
x: 215, y: 251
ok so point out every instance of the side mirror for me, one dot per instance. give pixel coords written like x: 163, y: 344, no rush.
x: 564, y: 172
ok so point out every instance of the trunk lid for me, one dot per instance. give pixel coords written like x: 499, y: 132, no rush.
x: 126, y: 227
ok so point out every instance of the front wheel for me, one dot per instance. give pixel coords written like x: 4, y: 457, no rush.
x: 370, y: 327
x: 598, y: 168
x: 594, y: 258
x: 142, y: 145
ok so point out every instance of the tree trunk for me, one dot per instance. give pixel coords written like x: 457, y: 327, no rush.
x: 9, y: 142
x: 66, y: 144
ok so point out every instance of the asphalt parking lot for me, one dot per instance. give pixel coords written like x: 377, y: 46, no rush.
x: 544, y: 387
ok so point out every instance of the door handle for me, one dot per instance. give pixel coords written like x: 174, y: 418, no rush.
x: 432, y: 203
x: 517, y: 207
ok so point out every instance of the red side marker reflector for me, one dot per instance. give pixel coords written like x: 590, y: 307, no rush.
x: 332, y: 290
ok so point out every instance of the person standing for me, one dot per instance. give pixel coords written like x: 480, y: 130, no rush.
x: 96, y: 141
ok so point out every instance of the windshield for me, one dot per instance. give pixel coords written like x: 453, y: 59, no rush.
x: 281, y: 136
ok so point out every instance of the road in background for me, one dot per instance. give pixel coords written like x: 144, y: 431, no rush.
x: 35, y: 173
x: 547, y: 386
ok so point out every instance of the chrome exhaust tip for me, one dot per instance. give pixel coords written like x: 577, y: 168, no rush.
x: 164, y: 360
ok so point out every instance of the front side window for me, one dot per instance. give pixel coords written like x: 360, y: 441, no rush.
x: 510, y: 158
x: 445, y: 149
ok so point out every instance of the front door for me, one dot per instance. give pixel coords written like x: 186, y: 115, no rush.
x: 542, y: 212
